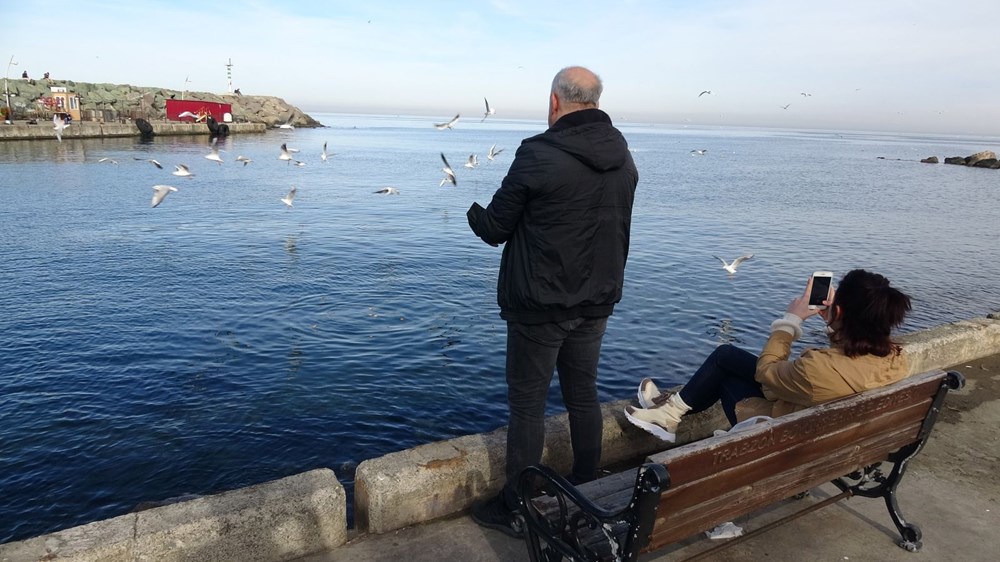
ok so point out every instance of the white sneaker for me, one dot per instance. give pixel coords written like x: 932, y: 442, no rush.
x: 650, y: 395
x: 661, y: 422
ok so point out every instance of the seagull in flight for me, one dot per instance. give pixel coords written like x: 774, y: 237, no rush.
x: 182, y: 171
x: 388, y: 191
x: 785, y: 106
x: 150, y: 160
x: 493, y: 153
x: 473, y: 161
x: 449, y: 174
x: 323, y: 155
x: 243, y: 159
x: 194, y: 116
x: 287, y: 200
x: 59, y: 125
x: 449, y: 124
x: 161, y: 193
x: 704, y: 92
x: 489, y: 110
x: 699, y: 151
x: 214, y: 156
x: 731, y: 267
x: 287, y: 124
x: 805, y: 95
x: 115, y: 162
x: 285, y: 153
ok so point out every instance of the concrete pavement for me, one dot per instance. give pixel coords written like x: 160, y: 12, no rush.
x: 951, y: 490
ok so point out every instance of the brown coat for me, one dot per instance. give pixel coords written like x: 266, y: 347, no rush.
x: 817, y: 376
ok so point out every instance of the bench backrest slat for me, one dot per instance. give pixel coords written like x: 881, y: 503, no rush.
x: 720, y: 478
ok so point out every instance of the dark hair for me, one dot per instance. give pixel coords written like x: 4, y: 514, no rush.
x: 868, y: 311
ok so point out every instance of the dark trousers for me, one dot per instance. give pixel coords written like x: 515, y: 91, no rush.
x: 533, y: 350
x: 727, y: 375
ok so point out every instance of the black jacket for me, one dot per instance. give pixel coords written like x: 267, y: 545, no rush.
x: 564, y: 211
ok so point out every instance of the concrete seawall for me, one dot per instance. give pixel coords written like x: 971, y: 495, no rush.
x: 287, y: 518
x: 89, y: 130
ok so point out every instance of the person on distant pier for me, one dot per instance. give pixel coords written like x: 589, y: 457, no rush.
x: 24, y: 75
x: 564, y: 214
x: 860, y: 316
x: 46, y: 77
x: 238, y: 92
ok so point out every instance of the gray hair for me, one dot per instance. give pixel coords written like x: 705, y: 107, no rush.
x: 575, y: 84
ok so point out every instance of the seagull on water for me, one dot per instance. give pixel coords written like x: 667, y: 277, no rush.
x: 731, y: 267
x: 449, y: 174
x: 150, y: 160
x: 287, y: 200
x: 161, y: 193
x: 182, y: 171
x: 243, y: 159
x: 59, y: 125
x: 704, y: 92
x: 388, y: 191
x: 449, y: 124
x: 699, y: 151
x: 214, y: 156
x: 489, y: 110
x: 115, y: 162
x: 493, y: 153
x: 473, y: 161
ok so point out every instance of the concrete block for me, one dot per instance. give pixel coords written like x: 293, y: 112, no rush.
x: 951, y: 344
x: 279, y: 520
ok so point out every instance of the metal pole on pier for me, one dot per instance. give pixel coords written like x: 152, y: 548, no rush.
x: 6, y: 91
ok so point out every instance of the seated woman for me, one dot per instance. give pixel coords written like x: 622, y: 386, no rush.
x: 860, y: 316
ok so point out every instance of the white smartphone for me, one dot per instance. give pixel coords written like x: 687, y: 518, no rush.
x: 820, y: 289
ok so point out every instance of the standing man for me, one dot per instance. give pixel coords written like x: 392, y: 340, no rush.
x: 563, y: 213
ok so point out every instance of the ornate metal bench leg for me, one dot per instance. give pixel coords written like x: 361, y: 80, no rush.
x: 911, y: 533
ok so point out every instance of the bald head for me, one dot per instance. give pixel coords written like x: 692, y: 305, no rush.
x: 574, y: 88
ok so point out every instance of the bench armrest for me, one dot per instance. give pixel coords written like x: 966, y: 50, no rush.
x: 572, y: 525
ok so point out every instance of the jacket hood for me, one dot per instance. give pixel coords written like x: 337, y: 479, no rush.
x: 588, y: 136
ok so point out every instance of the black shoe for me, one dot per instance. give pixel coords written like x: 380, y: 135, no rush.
x: 493, y: 513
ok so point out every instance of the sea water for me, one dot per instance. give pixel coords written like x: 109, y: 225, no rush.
x: 224, y: 339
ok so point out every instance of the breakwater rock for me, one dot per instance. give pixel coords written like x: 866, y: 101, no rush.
x: 116, y: 102
x: 984, y: 159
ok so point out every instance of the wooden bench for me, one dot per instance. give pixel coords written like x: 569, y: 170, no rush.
x: 861, y: 443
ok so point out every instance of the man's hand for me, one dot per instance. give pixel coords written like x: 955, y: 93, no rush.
x: 473, y: 215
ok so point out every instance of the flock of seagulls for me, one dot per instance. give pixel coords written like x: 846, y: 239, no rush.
x: 287, y: 154
x: 160, y: 192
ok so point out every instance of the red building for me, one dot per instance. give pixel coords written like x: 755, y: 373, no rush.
x: 222, y: 112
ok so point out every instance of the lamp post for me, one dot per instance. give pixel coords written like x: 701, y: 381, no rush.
x: 6, y: 91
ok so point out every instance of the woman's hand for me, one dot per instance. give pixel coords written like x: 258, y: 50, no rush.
x: 800, y: 307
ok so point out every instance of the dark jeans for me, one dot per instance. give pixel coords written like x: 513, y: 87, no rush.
x: 728, y: 375
x: 533, y: 351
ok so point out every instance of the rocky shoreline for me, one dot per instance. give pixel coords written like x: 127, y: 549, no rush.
x: 120, y: 102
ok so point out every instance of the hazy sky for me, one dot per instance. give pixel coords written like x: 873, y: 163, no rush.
x: 891, y: 65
